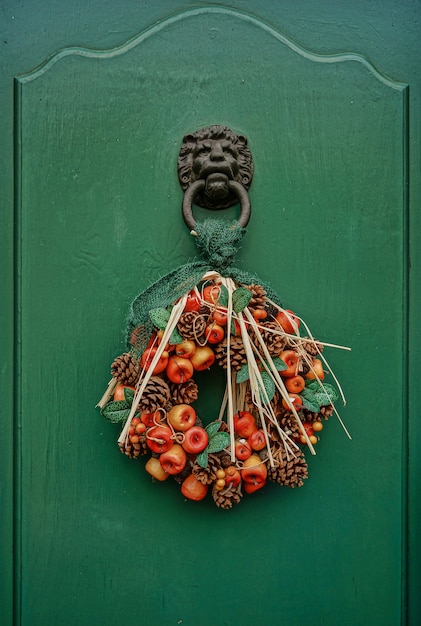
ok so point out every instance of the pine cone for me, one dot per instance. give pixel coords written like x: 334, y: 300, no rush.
x: 225, y: 498
x: 207, y: 475
x: 311, y: 347
x: 290, y: 473
x: 274, y: 341
x: 126, y: 369
x: 258, y: 298
x: 276, y: 403
x: 185, y: 393
x: 139, y: 337
x: 205, y: 310
x: 155, y: 395
x: 237, y: 353
x: 289, y: 424
x: 327, y: 411
x: 133, y: 450
x: 191, y: 325
x: 225, y: 459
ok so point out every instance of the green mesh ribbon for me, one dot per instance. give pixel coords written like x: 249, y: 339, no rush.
x: 217, y: 242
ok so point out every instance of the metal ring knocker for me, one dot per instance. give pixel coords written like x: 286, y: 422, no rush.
x: 198, y: 186
x: 215, y: 169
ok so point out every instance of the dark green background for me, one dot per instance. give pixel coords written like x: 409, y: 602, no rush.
x: 96, y: 219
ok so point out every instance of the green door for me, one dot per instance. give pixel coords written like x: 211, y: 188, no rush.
x: 97, y: 126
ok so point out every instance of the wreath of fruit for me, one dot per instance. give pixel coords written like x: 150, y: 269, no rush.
x: 276, y: 400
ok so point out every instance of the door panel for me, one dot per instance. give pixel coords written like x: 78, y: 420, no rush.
x: 98, y: 133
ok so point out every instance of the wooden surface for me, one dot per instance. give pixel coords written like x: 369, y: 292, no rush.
x: 97, y: 129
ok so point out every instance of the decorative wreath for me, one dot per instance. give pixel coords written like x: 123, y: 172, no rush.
x: 210, y: 314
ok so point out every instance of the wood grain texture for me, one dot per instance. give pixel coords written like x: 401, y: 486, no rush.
x: 329, y: 230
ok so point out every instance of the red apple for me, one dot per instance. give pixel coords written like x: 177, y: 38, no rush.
x: 195, y: 440
x: 181, y: 417
x: 154, y: 468
x: 244, y: 423
x: 211, y: 293
x: 220, y: 316
x: 254, y: 470
x: 174, y: 460
x: 214, y: 333
x: 185, y: 349
x: 193, y: 302
x: 252, y: 487
x: 119, y: 392
x: 290, y: 358
x: 257, y: 440
x: 289, y: 321
x: 148, y: 356
x: 159, y: 438
x: 295, y: 384
x: 295, y: 400
x: 150, y: 419
x: 316, y: 371
x: 193, y: 489
x: 203, y: 358
x: 242, y: 449
x: 179, y: 370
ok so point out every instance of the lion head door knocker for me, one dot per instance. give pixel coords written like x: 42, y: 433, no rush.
x: 215, y: 170
x: 209, y: 313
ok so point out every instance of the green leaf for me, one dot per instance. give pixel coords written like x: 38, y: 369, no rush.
x: 202, y: 458
x: 309, y: 400
x: 218, y: 442
x: 279, y: 364
x: 326, y: 395
x: 116, y: 412
x: 175, y: 337
x: 223, y: 296
x: 159, y: 317
x: 269, y: 386
x: 213, y: 428
x: 243, y: 373
x: 128, y: 396
x: 313, y: 385
x: 240, y: 299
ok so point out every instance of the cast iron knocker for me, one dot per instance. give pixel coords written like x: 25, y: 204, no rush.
x: 215, y: 170
x: 209, y: 313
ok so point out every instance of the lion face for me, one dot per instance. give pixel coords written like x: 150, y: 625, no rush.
x: 216, y: 155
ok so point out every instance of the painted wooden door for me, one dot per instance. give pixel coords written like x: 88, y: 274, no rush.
x: 97, y: 133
